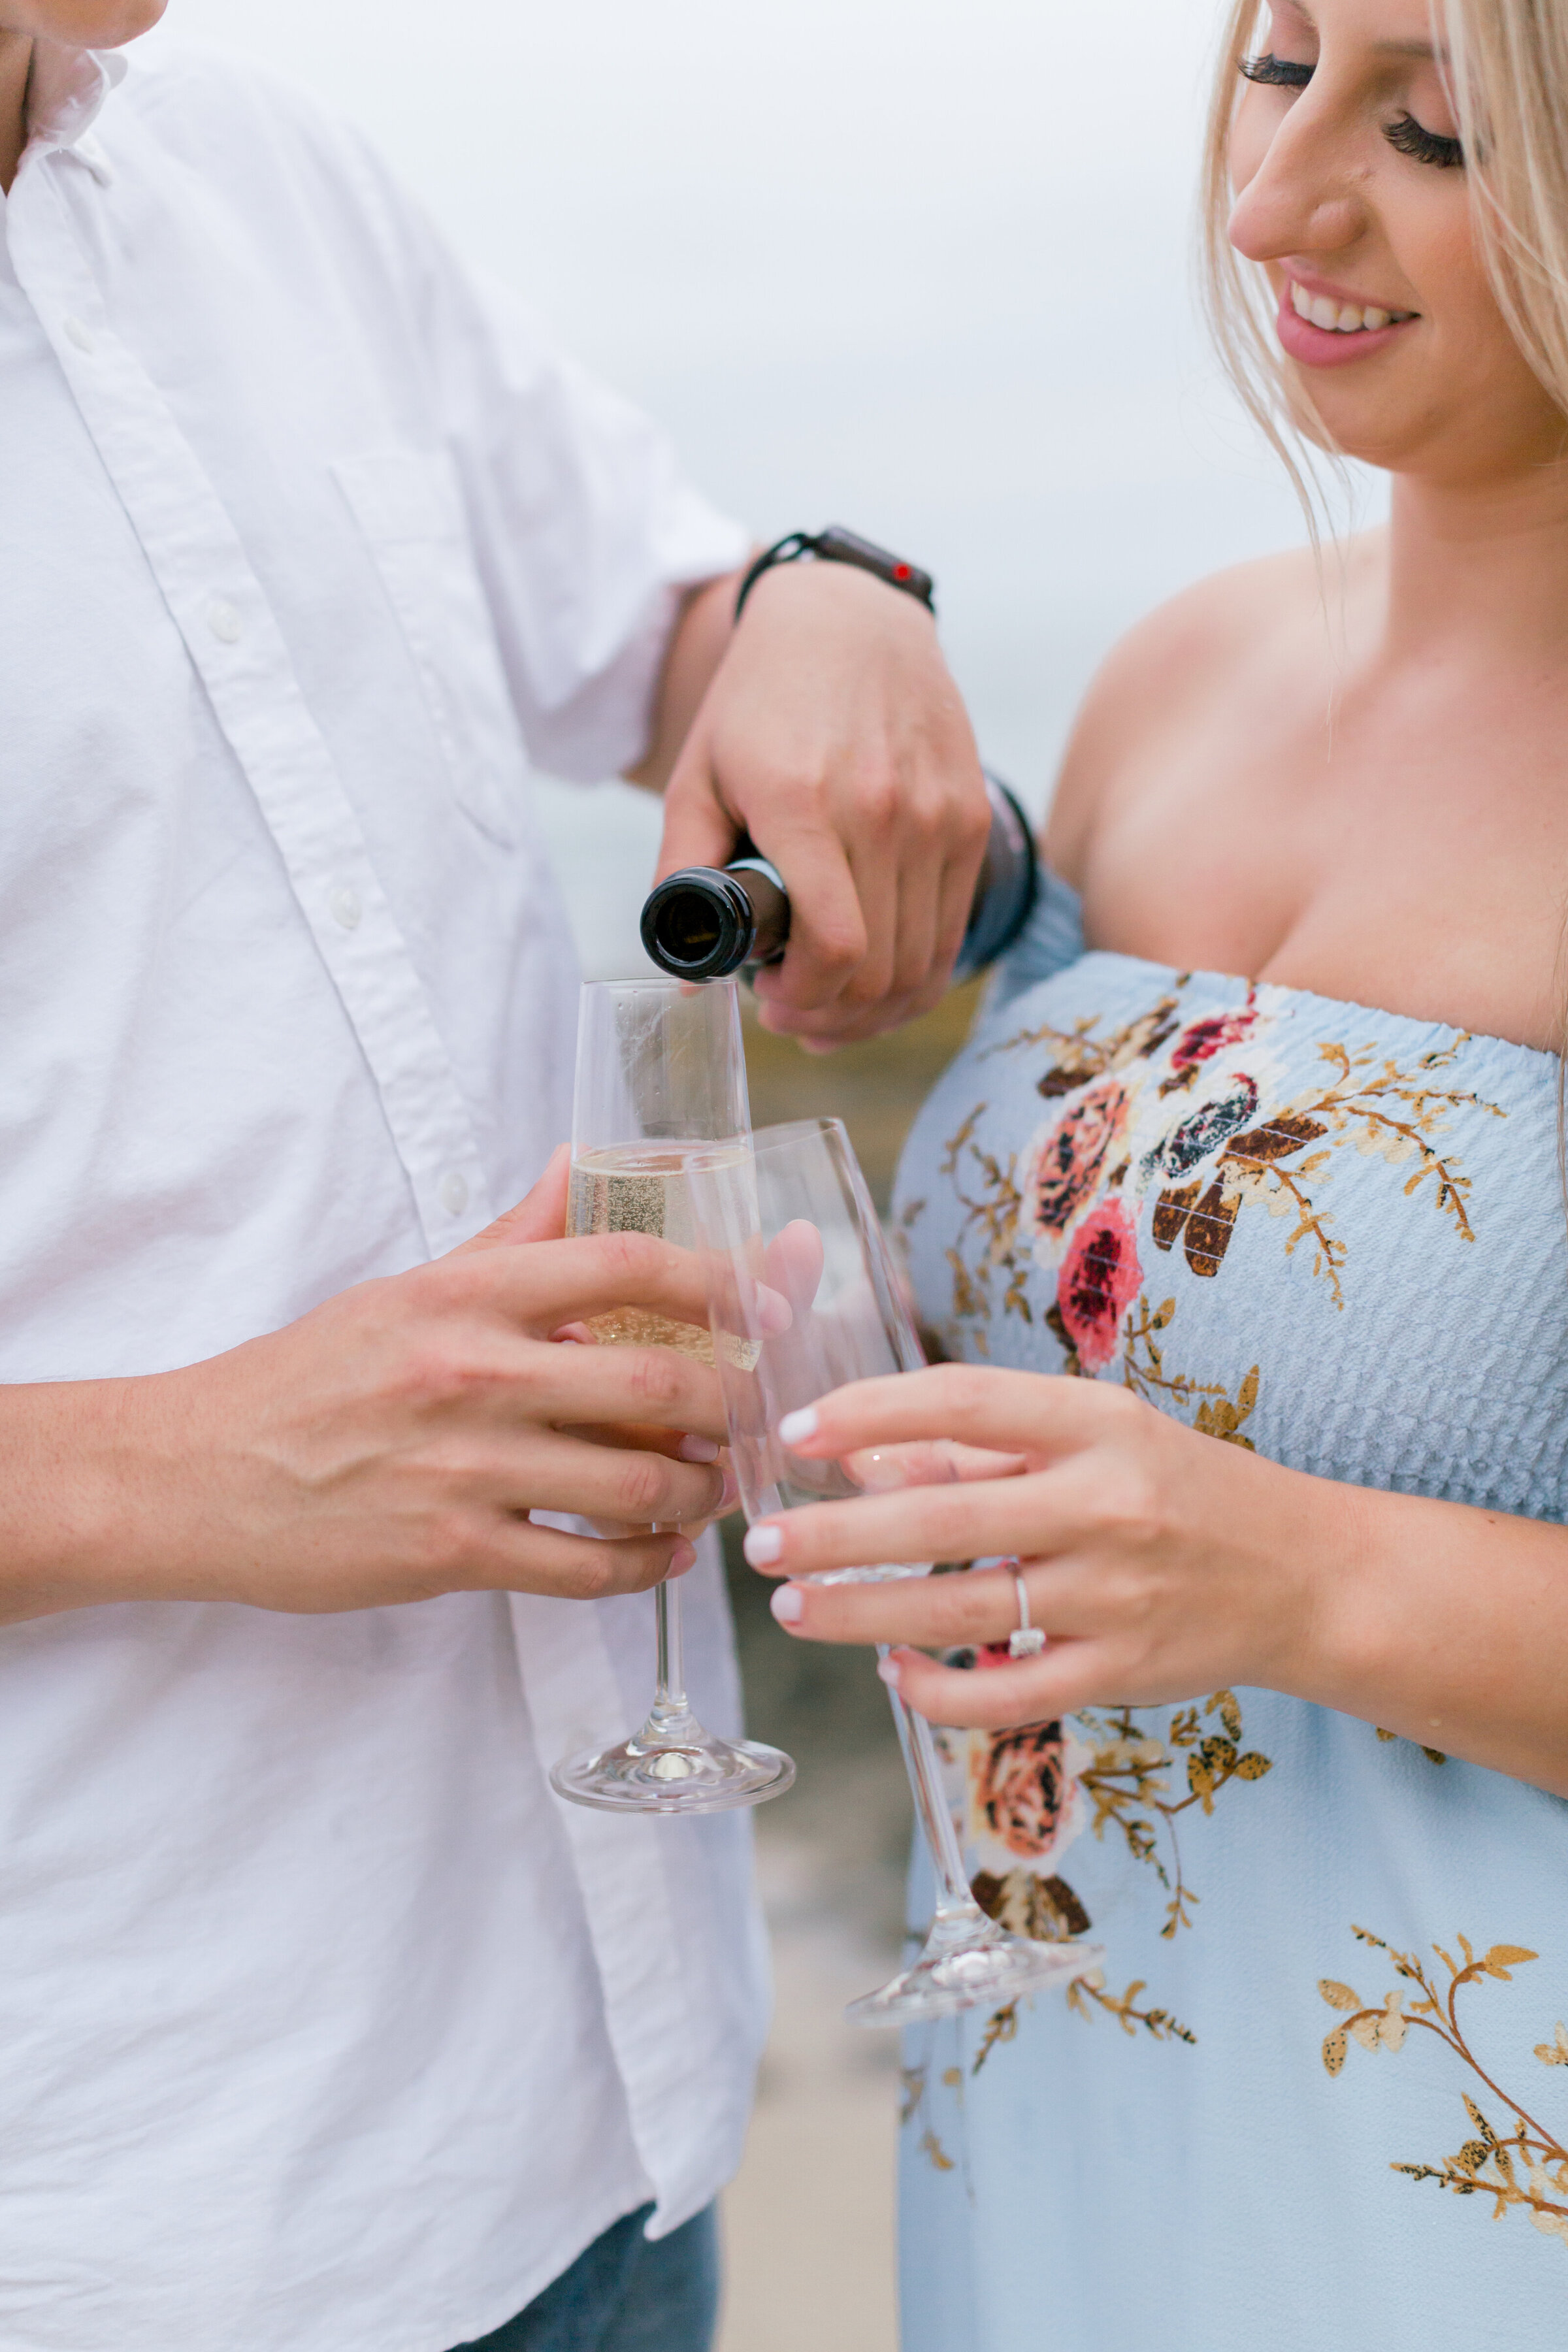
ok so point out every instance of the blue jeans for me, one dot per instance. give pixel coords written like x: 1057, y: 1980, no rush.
x: 625, y: 2293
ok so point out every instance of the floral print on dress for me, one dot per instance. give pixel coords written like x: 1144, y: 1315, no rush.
x: 1162, y: 1133
x: 1131, y: 1162
x: 1524, y: 2165
x: 1100, y: 1278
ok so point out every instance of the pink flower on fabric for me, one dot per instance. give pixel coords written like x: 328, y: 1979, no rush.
x: 1072, y: 1155
x: 1200, y: 1041
x: 1024, y: 1800
x: 1100, y: 1278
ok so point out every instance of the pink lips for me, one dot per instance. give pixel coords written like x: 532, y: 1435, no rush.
x: 1323, y: 346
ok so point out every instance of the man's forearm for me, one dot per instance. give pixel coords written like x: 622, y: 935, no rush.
x: 76, y: 1486
x: 697, y: 647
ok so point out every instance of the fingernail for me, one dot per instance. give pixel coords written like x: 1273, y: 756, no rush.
x: 889, y: 1671
x: 788, y: 1605
x: 762, y: 1545
x: 698, y: 1449
x: 796, y: 1427
x: 774, y: 1313
x: 730, y: 1496
x: 681, y: 1558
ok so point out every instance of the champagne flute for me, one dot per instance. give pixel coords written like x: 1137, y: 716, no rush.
x: 795, y: 1221
x: 661, y: 1071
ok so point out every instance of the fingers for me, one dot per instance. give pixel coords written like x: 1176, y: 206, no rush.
x: 1072, y: 1674
x: 552, y: 1283
x: 829, y: 937
x: 926, y: 1613
x: 530, y: 1558
x: 698, y: 828
x: 1034, y: 1413
x: 914, y: 930
x: 794, y: 1260
x: 988, y: 1517
x: 540, y: 1216
x: 939, y: 1462
x: 576, y: 1387
x: 633, y: 1485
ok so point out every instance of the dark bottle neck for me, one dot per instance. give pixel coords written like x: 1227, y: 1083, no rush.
x: 705, y: 921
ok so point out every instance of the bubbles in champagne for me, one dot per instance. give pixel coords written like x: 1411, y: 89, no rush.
x: 638, y: 1188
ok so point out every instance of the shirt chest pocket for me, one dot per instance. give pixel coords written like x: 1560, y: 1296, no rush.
x: 409, y: 508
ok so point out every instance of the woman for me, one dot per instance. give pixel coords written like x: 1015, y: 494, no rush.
x: 1298, y: 1742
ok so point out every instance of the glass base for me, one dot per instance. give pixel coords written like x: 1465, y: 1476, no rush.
x: 967, y: 1962
x: 673, y: 1766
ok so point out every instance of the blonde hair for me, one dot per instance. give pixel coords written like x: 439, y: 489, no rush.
x: 1508, y: 70
x: 1507, y: 67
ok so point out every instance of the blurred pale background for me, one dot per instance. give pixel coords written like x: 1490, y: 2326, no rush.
x: 922, y: 267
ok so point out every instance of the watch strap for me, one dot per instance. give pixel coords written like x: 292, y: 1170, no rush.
x: 837, y: 545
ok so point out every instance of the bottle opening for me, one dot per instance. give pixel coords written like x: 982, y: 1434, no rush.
x: 697, y: 924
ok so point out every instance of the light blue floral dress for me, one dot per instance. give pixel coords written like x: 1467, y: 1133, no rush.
x: 1311, y: 2100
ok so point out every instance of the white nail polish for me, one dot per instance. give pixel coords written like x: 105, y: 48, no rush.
x: 762, y: 1545
x: 796, y: 1427
x: 788, y: 1605
x: 698, y: 1449
x: 889, y: 1671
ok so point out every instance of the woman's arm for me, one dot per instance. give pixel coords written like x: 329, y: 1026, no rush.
x: 1163, y: 1563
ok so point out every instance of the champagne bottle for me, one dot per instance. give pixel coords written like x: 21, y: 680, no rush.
x: 708, y: 920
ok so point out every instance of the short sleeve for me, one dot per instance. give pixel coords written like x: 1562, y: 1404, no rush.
x: 587, y: 531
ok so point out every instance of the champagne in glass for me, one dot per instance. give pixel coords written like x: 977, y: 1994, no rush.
x: 797, y: 1226
x: 661, y: 1075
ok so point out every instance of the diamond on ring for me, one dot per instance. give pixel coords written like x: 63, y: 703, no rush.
x: 1029, y: 1640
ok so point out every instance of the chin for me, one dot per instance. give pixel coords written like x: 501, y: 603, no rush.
x: 97, y: 23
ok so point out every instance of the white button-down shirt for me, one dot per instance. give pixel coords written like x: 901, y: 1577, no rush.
x: 323, y: 2026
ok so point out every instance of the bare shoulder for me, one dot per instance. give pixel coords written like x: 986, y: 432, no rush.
x: 1168, y: 671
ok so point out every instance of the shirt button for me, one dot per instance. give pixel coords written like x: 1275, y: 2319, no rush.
x: 223, y: 620
x: 78, y: 334
x: 454, y: 1193
x: 346, y: 909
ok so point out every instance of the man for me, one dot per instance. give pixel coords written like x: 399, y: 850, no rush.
x: 324, y: 2027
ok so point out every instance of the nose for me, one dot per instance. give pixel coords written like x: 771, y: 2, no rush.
x: 1304, y: 194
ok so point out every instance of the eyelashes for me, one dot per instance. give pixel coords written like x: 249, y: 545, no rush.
x: 1405, y: 135
x: 1278, y: 73
x: 1425, y: 146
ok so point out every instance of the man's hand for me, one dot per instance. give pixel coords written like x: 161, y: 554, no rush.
x: 833, y: 733
x: 388, y: 1446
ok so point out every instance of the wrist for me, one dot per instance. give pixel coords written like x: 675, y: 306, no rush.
x: 838, y: 546
x: 72, y: 1534
x: 1342, y: 1567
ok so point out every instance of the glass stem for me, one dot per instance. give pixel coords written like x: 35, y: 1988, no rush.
x: 669, y: 1636
x: 953, y: 1894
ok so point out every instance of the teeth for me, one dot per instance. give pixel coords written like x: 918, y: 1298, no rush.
x: 1342, y: 318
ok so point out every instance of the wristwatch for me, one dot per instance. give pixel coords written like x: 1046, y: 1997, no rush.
x: 836, y: 545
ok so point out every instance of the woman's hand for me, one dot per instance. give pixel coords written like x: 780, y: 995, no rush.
x: 1160, y: 1562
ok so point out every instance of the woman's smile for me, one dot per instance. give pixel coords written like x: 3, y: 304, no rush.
x: 1323, y: 326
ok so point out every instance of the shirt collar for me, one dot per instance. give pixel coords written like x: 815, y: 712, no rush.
x: 66, y: 91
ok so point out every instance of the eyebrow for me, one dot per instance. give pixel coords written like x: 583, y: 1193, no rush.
x: 1410, y: 49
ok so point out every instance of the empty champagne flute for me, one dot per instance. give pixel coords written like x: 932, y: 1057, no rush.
x: 794, y: 1221
x: 661, y: 1073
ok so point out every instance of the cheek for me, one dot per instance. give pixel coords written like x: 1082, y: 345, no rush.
x: 1471, y: 334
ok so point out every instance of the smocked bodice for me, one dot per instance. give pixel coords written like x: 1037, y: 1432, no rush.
x: 1312, y: 2095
